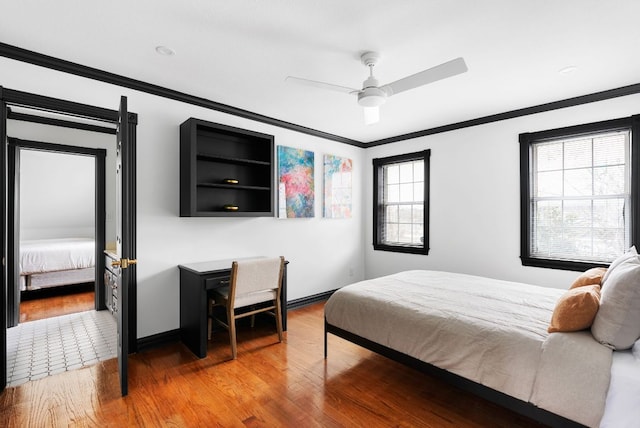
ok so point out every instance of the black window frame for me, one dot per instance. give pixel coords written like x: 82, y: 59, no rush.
x: 378, y: 207
x: 631, y: 123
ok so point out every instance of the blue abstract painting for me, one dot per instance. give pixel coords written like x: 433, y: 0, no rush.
x: 296, y: 192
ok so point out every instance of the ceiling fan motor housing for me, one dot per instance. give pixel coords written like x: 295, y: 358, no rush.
x: 371, y: 95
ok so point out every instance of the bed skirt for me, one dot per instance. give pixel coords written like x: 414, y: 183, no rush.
x: 39, y: 281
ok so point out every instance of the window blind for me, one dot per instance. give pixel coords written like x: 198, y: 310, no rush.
x: 580, y: 197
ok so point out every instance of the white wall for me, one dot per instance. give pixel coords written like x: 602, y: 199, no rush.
x: 76, y: 138
x: 475, y: 196
x: 57, y: 195
x: 324, y: 254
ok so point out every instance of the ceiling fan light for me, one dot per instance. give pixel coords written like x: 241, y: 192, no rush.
x: 371, y: 115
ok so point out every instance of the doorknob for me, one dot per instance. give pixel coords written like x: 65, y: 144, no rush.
x: 124, y: 263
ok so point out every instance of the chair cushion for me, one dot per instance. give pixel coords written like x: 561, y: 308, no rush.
x: 248, y: 299
x: 257, y: 274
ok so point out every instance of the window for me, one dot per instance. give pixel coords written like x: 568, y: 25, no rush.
x: 401, y: 203
x: 579, y: 200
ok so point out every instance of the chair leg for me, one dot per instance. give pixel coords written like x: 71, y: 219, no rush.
x: 231, y: 320
x: 278, y: 320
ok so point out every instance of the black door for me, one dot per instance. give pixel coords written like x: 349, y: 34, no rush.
x: 3, y: 231
x: 124, y: 242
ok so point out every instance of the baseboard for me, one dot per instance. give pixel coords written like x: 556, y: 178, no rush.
x: 172, y: 336
x: 309, y: 300
x: 158, y: 340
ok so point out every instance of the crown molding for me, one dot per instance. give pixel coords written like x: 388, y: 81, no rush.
x: 35, y: 58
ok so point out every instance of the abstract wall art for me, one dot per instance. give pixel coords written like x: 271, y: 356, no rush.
x: 296, y: 193
x: 337, y: 186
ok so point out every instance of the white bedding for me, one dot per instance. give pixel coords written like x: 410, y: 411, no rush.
x: 49, y: 255
x: 623, y: 399
x: 489, y: 331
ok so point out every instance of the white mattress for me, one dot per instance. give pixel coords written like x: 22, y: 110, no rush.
x: 489, y: 331
x: 49, y: 255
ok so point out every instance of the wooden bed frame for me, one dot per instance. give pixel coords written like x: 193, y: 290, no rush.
x: 522, y: 407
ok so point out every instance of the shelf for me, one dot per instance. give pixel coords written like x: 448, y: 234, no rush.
x: 233, y: 186
x: 222, y: 213
x: 238, y: 161
x: 212, y: 152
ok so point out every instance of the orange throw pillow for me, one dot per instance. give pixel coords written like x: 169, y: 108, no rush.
x: 576, y: 309
x: 589, y: 277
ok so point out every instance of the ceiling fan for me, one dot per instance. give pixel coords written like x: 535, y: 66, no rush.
x: 372, y: 95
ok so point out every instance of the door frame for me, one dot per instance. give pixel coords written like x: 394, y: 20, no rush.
x: 13, y: 220
x: 11, y: 97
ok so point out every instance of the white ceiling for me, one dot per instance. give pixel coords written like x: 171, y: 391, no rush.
x: 240, y: 52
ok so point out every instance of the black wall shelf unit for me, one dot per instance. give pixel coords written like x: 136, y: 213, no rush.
x: 225, y: 171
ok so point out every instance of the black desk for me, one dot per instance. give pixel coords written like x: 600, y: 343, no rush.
x: 196, y: 279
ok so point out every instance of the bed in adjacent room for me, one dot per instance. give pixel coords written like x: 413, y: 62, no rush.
x: 46, y: 263
x: 492, y: 337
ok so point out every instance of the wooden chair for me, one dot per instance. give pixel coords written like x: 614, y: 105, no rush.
x: 254, y: 287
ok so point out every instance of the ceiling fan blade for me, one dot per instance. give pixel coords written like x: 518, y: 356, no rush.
x: 321, y: 85
x: 439, y: 72
x: 371, y: 115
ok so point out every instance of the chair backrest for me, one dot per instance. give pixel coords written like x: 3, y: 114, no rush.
x: 253, y: 275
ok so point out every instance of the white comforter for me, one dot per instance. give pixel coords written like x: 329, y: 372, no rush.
x: 489, y: 331
x: 50, y: 255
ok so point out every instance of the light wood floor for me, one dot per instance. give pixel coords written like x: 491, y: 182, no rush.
x: 269, y: 385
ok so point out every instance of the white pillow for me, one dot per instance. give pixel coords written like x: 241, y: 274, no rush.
x: 617, y: 323
x: 629, y: 254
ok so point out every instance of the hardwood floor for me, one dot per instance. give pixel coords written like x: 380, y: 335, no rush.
x: 271, y: 384
x: 47, y: 305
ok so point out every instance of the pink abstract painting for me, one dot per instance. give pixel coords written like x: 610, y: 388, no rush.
x: 337, y: 186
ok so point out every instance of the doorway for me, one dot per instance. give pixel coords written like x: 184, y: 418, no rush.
x: 57, y: 204
x: 61, y: 113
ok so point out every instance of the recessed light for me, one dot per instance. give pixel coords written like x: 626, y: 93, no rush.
x: 165, y: 50
x: 567, y: 70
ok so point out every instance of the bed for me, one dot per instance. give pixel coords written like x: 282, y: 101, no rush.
x: 46, y: 263
x: 490, y: 337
